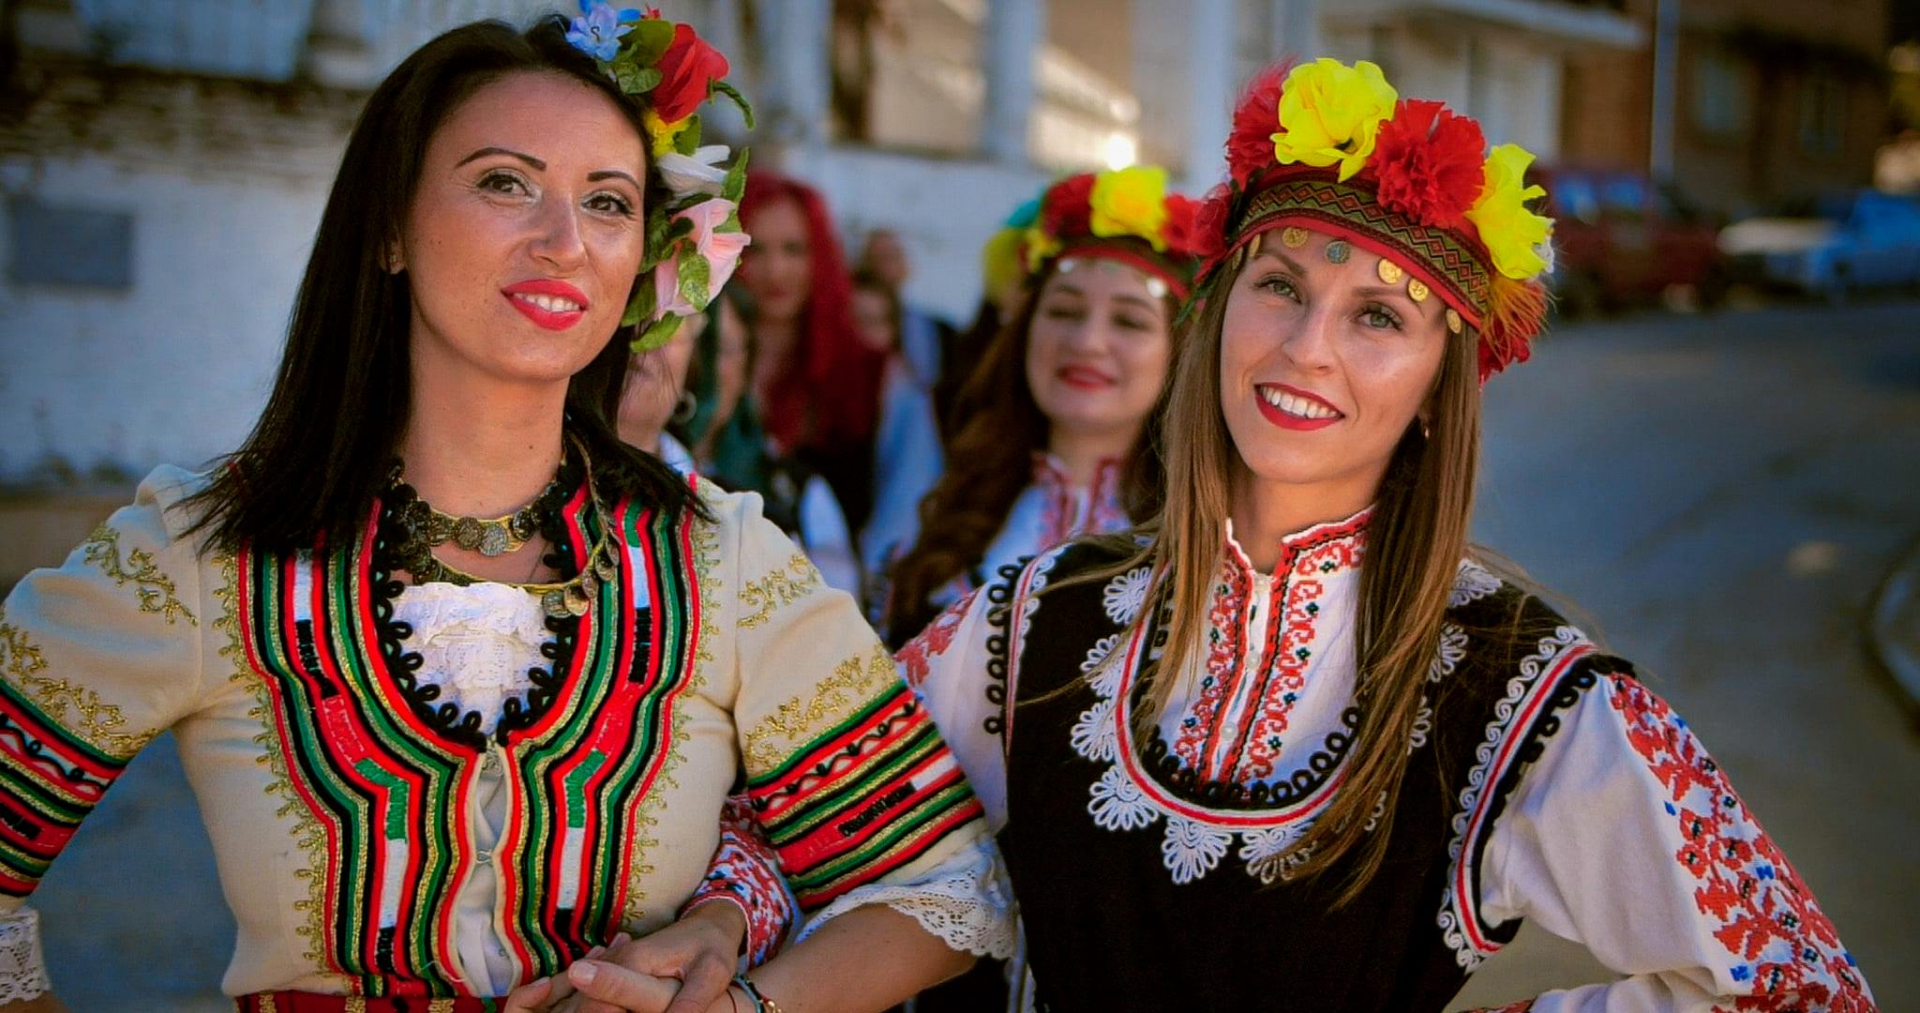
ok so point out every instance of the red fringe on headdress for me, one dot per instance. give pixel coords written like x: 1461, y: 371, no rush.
x: 1255, y: 120
x: 1516, y: 313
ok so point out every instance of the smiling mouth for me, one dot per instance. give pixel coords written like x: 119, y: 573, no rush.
x: 1290, y: 410
x: 1295, y: 405
x: 549, y: 303
x: 1083, y: 377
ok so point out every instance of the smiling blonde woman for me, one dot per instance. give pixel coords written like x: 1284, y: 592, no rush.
x: 1288, y: 744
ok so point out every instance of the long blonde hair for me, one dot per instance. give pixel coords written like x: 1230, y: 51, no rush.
x: 1415, y: 541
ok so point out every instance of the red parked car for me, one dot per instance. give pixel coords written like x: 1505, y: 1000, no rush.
x: 1623, y: 240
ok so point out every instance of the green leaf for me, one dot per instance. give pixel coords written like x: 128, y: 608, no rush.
x: 746, y: 111
x: 657, y: 333
x: 736, y: 181
x: 689, y: 137
x: 640, y: 304
x: 659, y: 238
x: 649, y: 41
x: 694, y: 276
x: 636, y: 80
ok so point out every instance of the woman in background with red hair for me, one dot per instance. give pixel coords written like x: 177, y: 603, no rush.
x: 817, y: 384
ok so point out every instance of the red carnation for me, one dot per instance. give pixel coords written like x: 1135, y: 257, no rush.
x: 687, y: 71
x: 1430, y: 163
x: 1255, y: 120
x: 1194, y: 227
x: 1067, y: 208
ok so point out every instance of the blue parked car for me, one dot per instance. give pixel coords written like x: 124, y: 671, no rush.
x: 1832, y: 246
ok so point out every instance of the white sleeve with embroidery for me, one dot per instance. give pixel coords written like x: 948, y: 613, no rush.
x: 1626, y: 836
x: 947, y: 666
x: 947, y: 901
x: 97, y: 656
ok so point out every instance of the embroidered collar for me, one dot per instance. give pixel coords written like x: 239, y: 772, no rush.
x: 1050, y: 472
x: 1295, y: 547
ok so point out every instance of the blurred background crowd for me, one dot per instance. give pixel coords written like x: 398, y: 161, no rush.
x: 1728, y: 408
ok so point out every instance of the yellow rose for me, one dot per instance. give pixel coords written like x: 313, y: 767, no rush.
x: 1131, y: 202
x: 1511, y: 233
x: 1040, y: 246
x: 1331, y: 113
x: 661, y: 133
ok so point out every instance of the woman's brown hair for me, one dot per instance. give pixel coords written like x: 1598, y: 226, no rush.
x: 999, y: 427
x: 1416, y: 539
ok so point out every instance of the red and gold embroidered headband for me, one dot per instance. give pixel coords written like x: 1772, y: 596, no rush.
x: 1125, y: 215
x: 1332, y: 148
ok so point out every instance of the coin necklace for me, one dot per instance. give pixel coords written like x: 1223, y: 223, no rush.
x: 561, y: 599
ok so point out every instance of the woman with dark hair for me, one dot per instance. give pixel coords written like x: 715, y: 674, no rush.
x: 1288, y: 734
x: 1052, y: 429
x: 460, y: 680
x: 816, y: 383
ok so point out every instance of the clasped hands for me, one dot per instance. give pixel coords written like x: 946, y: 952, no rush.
x: 683, y: 968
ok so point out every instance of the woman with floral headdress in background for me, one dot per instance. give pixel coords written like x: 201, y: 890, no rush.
x: 461, y: 681
x: 1288, y: 743
x: 1052, y: 433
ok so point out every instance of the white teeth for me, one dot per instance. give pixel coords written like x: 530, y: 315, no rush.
x: 552, y: 304
x: 1293, y: 405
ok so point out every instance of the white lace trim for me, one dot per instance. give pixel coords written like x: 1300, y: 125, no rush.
x: 476, y: 642
x: 23, y: 968
x: 965, y: 901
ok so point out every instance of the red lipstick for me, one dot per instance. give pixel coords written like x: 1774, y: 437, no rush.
x: 1083, y: 377
x: 1288, y: 420
x: 556, y: 315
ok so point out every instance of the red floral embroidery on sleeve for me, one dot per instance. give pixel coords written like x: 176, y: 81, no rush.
x: 745, y: 872
x: 916, y: 659
x: 1783, y: 947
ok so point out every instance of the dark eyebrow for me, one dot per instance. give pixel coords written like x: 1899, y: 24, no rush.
x: 1151, y: 305
x: 484, y: 152
x: 595, y: 177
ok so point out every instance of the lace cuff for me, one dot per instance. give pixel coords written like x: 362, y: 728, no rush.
x: 965, y: 901
x: 23, y: 968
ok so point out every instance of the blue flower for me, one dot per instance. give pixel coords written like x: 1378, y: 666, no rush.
x: 596, y: 32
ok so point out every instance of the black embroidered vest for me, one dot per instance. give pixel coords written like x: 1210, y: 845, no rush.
x: 1110, y: 927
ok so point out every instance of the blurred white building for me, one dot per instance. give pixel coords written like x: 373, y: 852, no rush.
x: 163, y: 162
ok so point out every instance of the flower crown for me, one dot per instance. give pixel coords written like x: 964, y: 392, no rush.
x: 1125, y: 215
x: 693, y: 239
x: 1333, y: 148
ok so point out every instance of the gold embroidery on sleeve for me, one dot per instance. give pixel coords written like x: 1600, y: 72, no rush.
x: 818, y: 708
x: 778, y: 589
x: 77, y: 709
x: 156, y: 590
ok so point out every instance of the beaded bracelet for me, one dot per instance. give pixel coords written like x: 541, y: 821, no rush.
x: 761, y: 1004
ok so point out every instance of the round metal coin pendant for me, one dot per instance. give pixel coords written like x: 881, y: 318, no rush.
x: 1294, y: 237
x: 1339, y: 251
x: 467, y: 533
x: 1390, y: 272
x: 494, y: 541
x: 554, y: 603
x: 576, y: 600
x: 1453, y: 320
x: 1418, y: 291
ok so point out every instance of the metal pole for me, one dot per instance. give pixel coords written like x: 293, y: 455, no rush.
x: 1666, y: 68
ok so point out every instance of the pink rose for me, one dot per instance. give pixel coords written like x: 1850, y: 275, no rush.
x: 721, y: 251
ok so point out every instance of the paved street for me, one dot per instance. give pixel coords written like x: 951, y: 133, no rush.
x: 1719, y: 494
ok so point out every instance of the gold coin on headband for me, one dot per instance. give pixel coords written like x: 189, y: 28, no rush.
x: 1417, y: 290
x: 1453, y: 320
x: 1294, y: 237
x: 1390, y: 272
